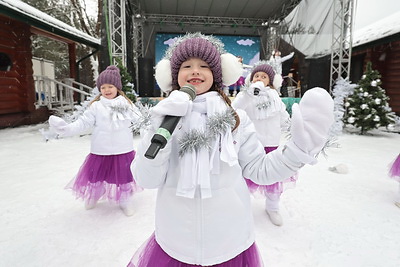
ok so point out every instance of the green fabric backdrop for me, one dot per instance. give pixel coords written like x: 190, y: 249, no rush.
x: 289, y: 101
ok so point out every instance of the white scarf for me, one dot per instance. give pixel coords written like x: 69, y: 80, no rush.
x: 267, y: 103
x: 198, y: 165
x: 119, y: 109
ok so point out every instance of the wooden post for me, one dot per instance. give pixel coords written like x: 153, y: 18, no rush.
x: 72, y: 59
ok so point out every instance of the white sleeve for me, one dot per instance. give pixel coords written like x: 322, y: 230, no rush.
x: 135, y: 113
x: 150, y: 173
x: 83, y: 124
x: 283, y: 59
x: 241, y: 101
x: 270, y: 168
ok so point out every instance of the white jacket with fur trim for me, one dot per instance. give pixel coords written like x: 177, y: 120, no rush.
x: 109, y: 120
x: 212, y: 230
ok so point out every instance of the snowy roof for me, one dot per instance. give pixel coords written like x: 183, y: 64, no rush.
x: 41, y: 20
x: 383, y: 28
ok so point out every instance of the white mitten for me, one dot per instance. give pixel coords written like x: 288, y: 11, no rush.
x: 176, y: 104
x: 311, y: 120
x: 256, y: 88
x: 57, y: 124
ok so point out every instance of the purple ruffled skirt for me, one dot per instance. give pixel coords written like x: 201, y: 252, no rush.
x: 272, y: 189
x: 151, y: 254
x: 105, y: 176
x: 394, y: 170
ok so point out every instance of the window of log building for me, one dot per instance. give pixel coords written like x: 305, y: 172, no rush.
x: 5, y: 62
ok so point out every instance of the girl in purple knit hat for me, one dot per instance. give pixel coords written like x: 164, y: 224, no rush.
x: 203, y: 208
x: 105, y: 172
x: 394, y: 173
x: 262, y: 104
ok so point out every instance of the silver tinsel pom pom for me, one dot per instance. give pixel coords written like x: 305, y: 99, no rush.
x: 196, y: 139
x: 143, y: 121
x: 221, y: 122
x: 120, y: 108
x: 193, y: 140
x: 263, y: 105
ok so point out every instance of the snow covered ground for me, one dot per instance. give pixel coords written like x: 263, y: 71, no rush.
x: 330, y: 219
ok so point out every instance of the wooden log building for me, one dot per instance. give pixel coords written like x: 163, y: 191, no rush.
x: 18, y: 22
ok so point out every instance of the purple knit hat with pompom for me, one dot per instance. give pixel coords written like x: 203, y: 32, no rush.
x: 264, y: 68
x: 110, y: 76
x: 199, y: 48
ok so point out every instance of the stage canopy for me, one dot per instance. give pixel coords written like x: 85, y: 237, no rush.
x: 255, y: 9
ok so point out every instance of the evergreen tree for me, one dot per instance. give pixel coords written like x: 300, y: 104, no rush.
x: 126, y: 79
x: 367, y: 107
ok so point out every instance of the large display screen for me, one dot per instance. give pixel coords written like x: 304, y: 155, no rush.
x: 247, y: 47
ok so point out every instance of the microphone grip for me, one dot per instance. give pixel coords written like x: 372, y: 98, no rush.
x: 162, y: 135
x: 152, y: 151
x: 164, y: 132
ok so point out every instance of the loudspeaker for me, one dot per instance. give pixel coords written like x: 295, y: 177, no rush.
x: 146, y: 77
x: 319, y: 72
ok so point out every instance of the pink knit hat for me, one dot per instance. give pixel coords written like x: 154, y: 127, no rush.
x: 264, y: 68
x: 225, y: 67
x: 110, y: 76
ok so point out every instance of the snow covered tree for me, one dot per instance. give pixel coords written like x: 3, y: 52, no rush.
x: 367, y: 107
x: 343, y: 88
x: 72, y: 12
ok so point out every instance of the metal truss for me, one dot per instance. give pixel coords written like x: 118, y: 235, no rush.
x: 274, y: 28
x: 284, y: 10
x: 341, y: 40
x: 117, y: 27
x: 160, y: 19
x: 137, y: 39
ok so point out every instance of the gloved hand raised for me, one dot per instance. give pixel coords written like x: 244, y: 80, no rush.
x: 255, y: 88
x: 165, y: 117
x: 176, y: 104
x: 57, y: 124
x: 311, y: 120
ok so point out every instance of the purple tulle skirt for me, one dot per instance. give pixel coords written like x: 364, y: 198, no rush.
x: 272, y: 189
x: 240, y: 81
x: 394, y: 171
x: 151, y: 254
x: 105, y: 176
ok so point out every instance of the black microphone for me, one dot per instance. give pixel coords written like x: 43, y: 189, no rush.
x: 164, y: 132
x: 256, y: 87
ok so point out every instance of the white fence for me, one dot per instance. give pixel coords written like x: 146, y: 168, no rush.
x: 59, y: 96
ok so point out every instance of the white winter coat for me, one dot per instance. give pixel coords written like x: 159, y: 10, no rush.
x: 110, y: 121
x: 208, y: 231
x: 268, y: 122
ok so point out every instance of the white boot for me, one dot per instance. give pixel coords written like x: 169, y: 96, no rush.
x: 275, y: 217
x: 90, y: 204
x: 397, y: 201
x: 272, y: 209
x: 127, y: 208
